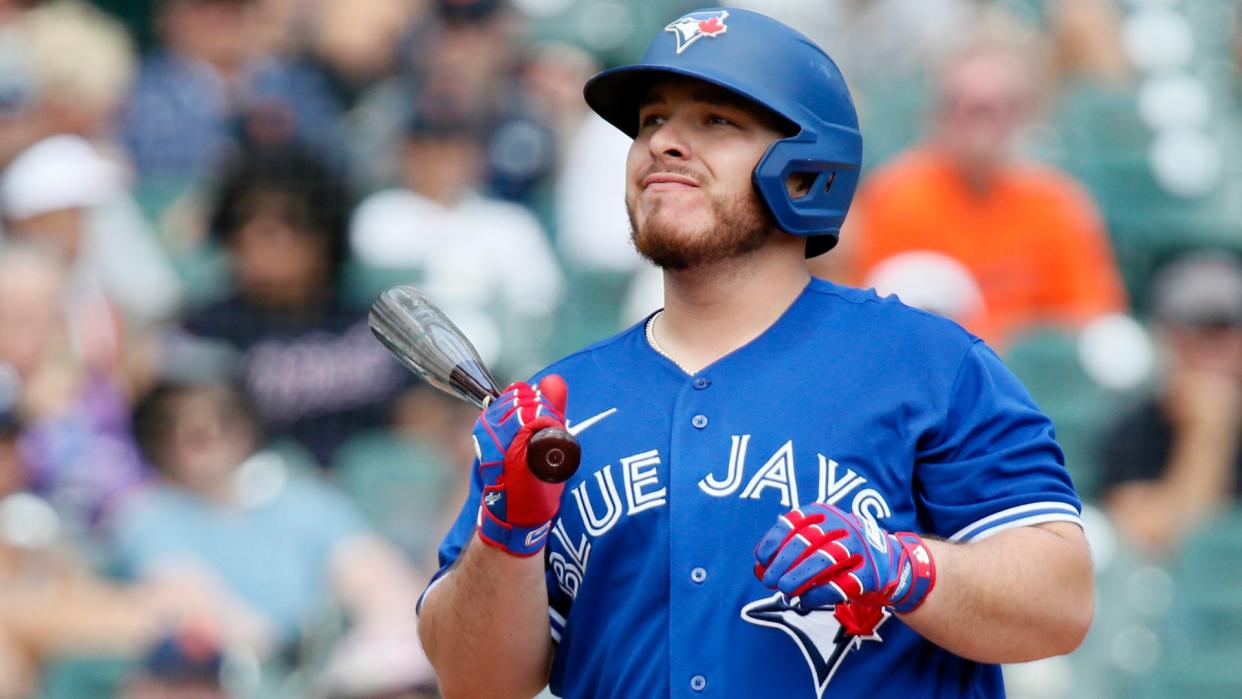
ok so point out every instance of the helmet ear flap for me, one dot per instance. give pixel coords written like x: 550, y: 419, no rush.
x: 832, y: 180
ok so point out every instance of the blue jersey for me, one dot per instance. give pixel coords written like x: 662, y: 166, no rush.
x: 894, y: 414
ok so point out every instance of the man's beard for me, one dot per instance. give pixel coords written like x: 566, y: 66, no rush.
x: 743, y: 225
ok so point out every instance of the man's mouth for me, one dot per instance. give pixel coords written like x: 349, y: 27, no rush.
x: 661, y: 181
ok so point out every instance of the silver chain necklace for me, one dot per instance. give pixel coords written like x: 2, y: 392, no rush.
x: 656, y: 346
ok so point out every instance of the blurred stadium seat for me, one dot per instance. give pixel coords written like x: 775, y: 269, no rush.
x: 1204, y: 631
x: 400, y: 485
x: 361, y: 283
x: 592, y: 309
x: 86, y: 677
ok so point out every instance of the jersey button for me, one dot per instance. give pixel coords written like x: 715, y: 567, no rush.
x: 701, y: 382
x: 699, y: 421
x: 698, y: 575
x: 698, y: 683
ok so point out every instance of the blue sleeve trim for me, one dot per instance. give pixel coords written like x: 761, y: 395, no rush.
x: 1020, y: 516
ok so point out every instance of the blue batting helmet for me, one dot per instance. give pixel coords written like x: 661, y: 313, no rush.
x: 776, y: 67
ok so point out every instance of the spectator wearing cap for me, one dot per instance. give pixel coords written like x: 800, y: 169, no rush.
x: 1175, y: 460
x: 81, y: 66
x: 486, y: 262
x: 64, y: 195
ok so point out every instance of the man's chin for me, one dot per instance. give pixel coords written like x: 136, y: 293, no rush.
x: 676, y: 210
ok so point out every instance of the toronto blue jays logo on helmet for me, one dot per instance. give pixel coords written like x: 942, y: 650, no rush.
x: 819, y: 633
x: 697, y: 25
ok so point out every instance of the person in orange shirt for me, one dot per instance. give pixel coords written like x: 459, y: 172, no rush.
x: 1029, y: 236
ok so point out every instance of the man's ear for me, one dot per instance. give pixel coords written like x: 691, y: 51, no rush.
x: 799, y: 184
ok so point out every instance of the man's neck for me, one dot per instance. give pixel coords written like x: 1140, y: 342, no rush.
x: 711, y: 310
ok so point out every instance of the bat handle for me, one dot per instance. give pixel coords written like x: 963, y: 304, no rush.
x: 553, y: 455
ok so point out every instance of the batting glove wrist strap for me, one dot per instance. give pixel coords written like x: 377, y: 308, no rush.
x: 522, y: 542
x: 917, y: 569
x: 517, y: 508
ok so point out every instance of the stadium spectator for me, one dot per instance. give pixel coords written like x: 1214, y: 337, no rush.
x: 467, y: 57
x: 876, y: 41
x: 82, y: 64
x: 1087, y: 42
x: 486, y: 262
x: 76, y: 445
x: 306, y: 356
x: 1175, y: 460
x: 1030, y: 236
x: 64, y: 67
x: 64, y: 194
x: 52, y: 604
x: 232, y: 517
x: 20, y: 124
x: 205, y: 91
x: 355, y: 45
x: 352, y: 48
x: 473, y: 62
x: 592, y: 229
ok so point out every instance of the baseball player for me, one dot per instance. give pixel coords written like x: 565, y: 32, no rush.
x: 789, y: 488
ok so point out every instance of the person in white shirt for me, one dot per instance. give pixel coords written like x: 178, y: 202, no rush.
x: 487, y: 263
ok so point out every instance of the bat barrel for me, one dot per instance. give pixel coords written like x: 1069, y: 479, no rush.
x: 428, y: 343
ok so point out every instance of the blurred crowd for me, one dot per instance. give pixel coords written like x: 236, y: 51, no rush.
x: 215, y: 483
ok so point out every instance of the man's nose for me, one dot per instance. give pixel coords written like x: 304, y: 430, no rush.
x: 669, y: 141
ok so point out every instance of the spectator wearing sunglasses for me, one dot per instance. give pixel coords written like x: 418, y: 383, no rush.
x: 1175, y: 460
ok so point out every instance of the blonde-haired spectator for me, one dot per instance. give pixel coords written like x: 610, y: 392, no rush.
x: 83, y: 63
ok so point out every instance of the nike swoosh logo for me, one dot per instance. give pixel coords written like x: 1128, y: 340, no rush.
x: 579, y: 427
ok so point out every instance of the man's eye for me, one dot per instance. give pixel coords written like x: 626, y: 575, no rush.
x: 718, y: 120
x: 649, y: 120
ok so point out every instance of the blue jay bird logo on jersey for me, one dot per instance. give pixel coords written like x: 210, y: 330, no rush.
x: 821, y: 637
x: 697, y: 25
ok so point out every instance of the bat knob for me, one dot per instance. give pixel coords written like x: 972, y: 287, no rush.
x: 553, y: 455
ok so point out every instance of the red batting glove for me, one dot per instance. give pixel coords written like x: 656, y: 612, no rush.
x: 517, y: 507
x: 821, y: 556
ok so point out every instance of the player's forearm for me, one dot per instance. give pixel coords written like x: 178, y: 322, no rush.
x: 1021, y: 595
x: 485, y: 626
